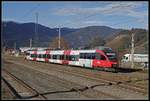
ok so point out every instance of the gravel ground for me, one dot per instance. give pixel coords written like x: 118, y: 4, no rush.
x: 58, y: 81
x: 41, y: 83
x: 5, y: 92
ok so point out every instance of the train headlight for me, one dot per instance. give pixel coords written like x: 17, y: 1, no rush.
x: 114, y: 65
x: 98, y: 62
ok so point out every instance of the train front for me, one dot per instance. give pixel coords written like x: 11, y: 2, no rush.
x: 112, y: 57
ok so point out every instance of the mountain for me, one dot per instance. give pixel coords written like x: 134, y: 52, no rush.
x: 121, y: 41
x: 82, y: 36
x: 21, y: 33
x: 118, y: 39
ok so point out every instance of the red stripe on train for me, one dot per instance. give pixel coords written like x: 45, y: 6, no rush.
x: 47, y: 52
x: 35, y: 52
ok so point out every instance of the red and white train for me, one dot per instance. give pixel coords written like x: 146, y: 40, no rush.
x: 103, y: 58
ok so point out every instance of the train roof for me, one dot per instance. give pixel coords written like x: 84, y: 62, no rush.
x: 104, y: 48
x: 137, y: 54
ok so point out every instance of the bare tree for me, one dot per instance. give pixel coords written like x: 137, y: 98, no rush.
x: 63, y: 43
x: 96, y: 41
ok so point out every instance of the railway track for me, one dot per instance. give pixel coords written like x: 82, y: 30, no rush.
x: 7, y: 93
x: 92, y: 77
x: 121, y: 84
x: 26, y: 92
x: 126, y: 84
x: 73, y: 87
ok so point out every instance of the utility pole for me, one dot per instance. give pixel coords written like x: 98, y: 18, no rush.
x: 30, y: 43
x: 132, y: 51
x: 36, y: 30
x: 15, y: 46
x: 59, y: 38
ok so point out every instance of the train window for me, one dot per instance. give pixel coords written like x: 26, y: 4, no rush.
x: 44, y: 55
x: 54, y: 56
x: 73, y: 58
x: 58, y: 57
x: 48, y: 56
x: 97, y: 56
x: 68, y: 57
x: 93, y: 55
x: 33, y: 55
x: 85, y: 55
x: 76, y: 57
x: 81, y: 55
x: 89, y: 55
x: 40, y: 56
x: 103, y: 57
x: 65, y: 57
x: 62, y: 57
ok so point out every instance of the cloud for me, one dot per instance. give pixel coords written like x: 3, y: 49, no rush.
x: 134, y: 11
x: 8, y: 19
x: 112, y: 8
x: 86, y: 23
x: 94, y: 22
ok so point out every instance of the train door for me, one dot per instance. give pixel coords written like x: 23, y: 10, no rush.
x: 47, y: 56
x: 101, y: 61
x: 104, y: 62
x: 67, y: 58
x: 85, y: 60
x: 34, y: 56
x: 74, y: 58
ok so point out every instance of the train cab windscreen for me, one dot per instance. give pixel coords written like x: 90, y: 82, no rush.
x: 110, y: 54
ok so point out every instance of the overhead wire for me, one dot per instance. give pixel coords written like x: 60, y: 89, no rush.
x: 30, y: 11
x: 95, y: 13
x: 120, y: 5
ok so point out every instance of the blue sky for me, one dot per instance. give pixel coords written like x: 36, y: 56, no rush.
x: 76, y: 14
